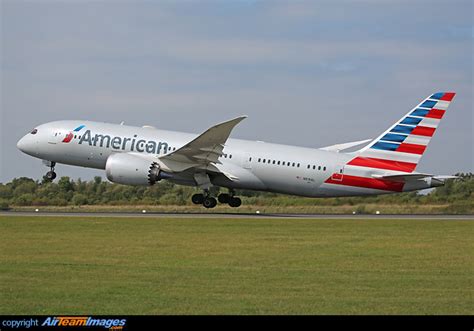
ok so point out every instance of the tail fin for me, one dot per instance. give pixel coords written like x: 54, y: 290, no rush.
x: 400, y: 147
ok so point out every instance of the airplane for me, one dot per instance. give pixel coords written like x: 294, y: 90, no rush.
x: 145, y: 156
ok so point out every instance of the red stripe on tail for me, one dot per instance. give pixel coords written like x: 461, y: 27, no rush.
x: 371, y: 162
x: 373, y: 183
x: 448, y: 96
x: 423, y: 131
x: 411, y: 148
x: 435, y: 113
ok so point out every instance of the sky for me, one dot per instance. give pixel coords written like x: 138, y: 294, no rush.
x: 307, y: 73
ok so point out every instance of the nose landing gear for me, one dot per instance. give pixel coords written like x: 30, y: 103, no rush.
x: 50, y: 175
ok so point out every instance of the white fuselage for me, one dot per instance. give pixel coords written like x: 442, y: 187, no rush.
x: 257, y: 165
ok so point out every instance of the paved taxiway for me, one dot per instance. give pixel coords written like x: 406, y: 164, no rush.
x: 236, y: 215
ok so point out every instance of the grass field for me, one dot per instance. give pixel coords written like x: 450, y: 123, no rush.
x: 235, y: 266
x: 360, y: 208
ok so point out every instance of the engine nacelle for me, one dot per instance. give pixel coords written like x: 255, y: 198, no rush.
x: 128, y: 169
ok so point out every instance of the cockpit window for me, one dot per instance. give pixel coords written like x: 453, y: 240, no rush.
x: 35, y: 131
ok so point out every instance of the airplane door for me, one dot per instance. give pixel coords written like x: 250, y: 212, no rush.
x: 338, y: 173
x: 247, y: 164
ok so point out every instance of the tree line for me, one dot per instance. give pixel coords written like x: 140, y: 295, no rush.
x: 68, y: 192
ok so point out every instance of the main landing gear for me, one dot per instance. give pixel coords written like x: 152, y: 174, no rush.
x: 204, y: 199
x: 230, y: 199
x: 210, y: 202
x: 51, y: 175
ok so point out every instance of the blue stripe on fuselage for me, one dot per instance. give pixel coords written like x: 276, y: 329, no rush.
x: 79, y: 128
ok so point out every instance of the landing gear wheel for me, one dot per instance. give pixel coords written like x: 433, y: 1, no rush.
x: 209, y: 202
x: 50, y: 175
x: 198, y: 199
x: 235, y: 202
x: 224, y: 198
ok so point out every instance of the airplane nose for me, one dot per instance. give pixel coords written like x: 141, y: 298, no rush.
x: 21, y: 144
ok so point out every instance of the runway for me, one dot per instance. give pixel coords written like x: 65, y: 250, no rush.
x: 235, y: 215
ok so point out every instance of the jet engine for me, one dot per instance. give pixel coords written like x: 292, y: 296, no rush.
x: 129, y: 169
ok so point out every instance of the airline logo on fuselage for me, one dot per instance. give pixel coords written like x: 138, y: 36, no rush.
x: 123, y: 143
x: 70, y: 135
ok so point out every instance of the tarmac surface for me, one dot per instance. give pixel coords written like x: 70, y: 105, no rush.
x: 236, y: 215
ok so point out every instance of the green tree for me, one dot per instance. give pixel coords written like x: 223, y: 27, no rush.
x: 65, y: 184
x: 79, y: 199
x: 6, y: 191
x: 24, y: 200
x: 23, y: 186
x: 4, y: 204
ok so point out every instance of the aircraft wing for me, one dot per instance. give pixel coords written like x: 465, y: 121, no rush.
x: 341, y: 147
x: 203, y: 150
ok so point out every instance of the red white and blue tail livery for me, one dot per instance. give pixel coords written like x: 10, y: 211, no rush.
x: 145, y: 155
x: 389, y: 161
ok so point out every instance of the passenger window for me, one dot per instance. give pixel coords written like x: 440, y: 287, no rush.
x: 263, y: 160
x: 278, y: 162
x: 230, y: 156
x: 298, y: 165
x: 293, y: 164
x: 319, y: 168
x: 250, y: 159
x: 274, y: 161
x: 314, y: 167
x: 259, y: 159
x: 324, y: 169
x: 308, y: 166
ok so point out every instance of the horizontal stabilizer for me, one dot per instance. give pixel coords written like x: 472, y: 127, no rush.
x: 405, y: 177
x: 341, y: 147
x: 444, y: 178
